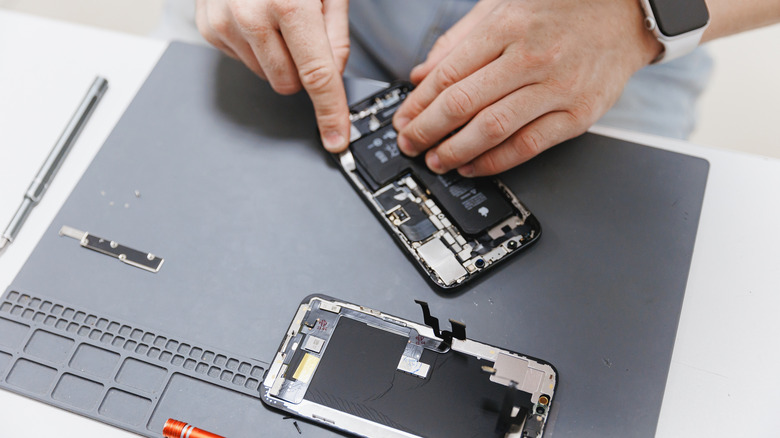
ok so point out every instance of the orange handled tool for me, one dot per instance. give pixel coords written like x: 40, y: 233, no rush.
x: 180, y: 429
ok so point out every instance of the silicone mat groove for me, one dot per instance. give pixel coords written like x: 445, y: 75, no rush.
x: 105, y: 368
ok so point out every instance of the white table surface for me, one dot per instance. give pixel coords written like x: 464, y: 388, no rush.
x: 725, y: 372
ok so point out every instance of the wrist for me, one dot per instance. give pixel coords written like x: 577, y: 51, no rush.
x: 647, y: 46
x: 651, y: 48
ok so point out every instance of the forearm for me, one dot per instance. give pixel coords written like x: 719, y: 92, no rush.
x: 728, y: 17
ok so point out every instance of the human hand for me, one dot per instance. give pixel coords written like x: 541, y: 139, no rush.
x: 292, y: 44
x: 520, y: 76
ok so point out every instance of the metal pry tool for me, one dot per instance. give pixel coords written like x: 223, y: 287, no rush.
x: 144, y: 260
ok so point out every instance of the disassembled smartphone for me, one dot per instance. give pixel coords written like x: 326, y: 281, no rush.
x: 371, y: 374
x: 455, y: 228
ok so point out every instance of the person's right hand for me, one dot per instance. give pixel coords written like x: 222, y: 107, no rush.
x: 292, y: 44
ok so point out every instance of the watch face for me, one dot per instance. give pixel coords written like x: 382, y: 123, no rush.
x: 676, y: 17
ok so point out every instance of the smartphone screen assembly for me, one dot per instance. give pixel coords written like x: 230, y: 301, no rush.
x: 371, y: 374
x: 454, y: 228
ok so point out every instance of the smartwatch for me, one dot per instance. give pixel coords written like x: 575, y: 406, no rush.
x: 677, y: 24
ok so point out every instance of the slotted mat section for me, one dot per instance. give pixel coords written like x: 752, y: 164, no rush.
x: 120, y: 373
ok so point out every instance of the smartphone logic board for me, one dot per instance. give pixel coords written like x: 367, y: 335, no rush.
x: 454, y: 228
x: 372, y: 374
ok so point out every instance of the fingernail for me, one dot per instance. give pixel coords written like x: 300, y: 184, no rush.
x: 415, y: 69
x: 467, y: 170
x: 401, y: 122
x: 333, y: 141
x: 433, y: 162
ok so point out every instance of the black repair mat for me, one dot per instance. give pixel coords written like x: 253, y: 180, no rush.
x: 224, y: 179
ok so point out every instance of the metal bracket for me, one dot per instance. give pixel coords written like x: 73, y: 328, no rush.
x: 144, y: 260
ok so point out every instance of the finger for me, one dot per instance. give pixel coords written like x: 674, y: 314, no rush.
x: 202, y: 22
x: 270, y: 51
x: 492, y: 127
x: 459, y: 103
x: 472, y: 54
x: 306, y: 37
x: 223, y: 24
x: 445, y: 43
x: 538, y: 136
x: 336, y: 13
x: 246, y: 55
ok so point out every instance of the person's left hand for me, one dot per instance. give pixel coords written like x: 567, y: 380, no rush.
x: 520, y: 76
